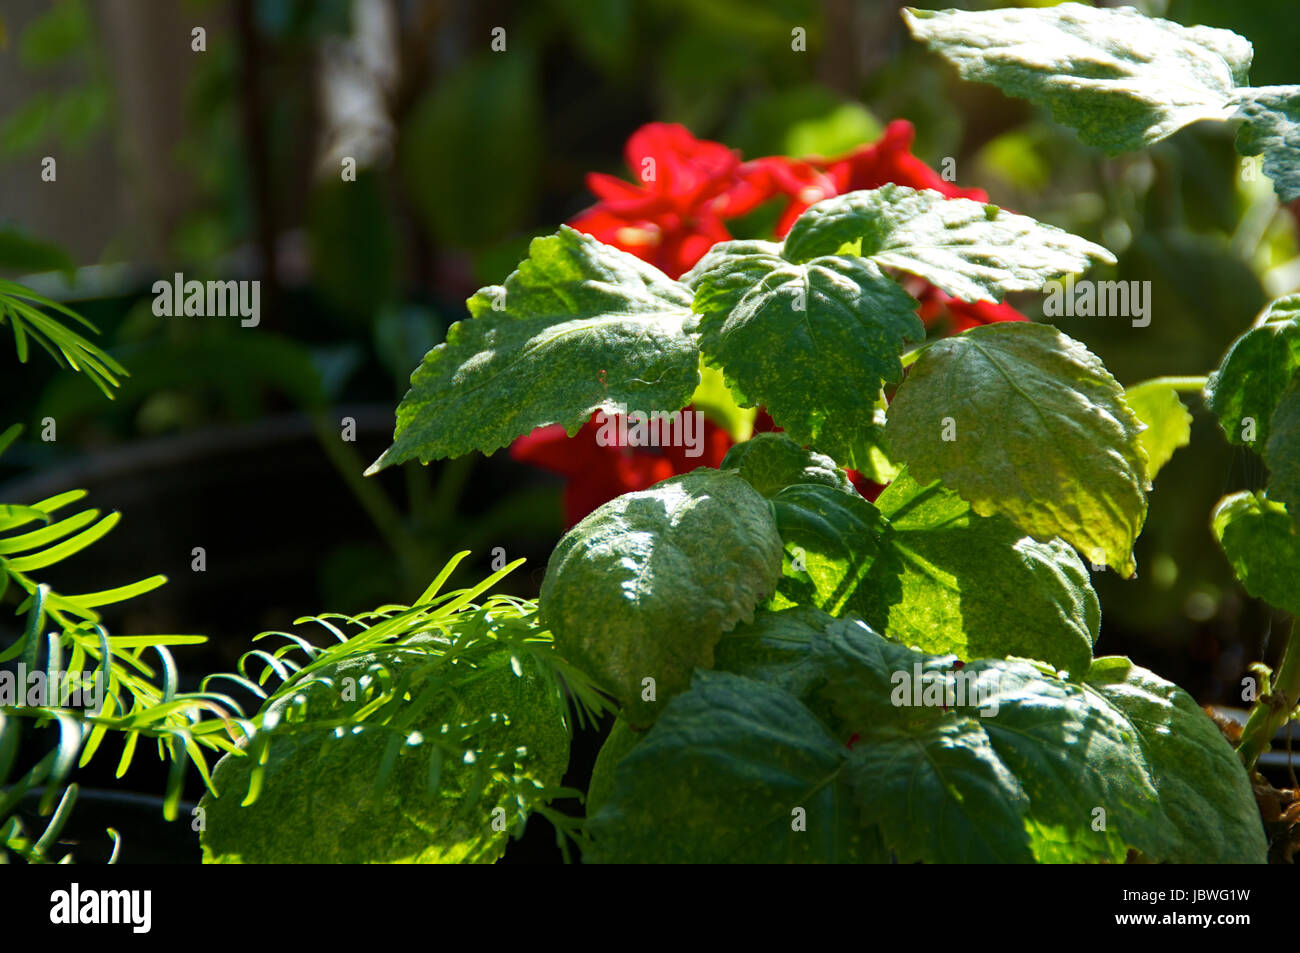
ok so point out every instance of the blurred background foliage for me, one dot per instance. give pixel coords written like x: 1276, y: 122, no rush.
x: 226, y: 162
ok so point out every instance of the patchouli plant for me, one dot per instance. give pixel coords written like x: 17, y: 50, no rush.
x: 803, y: 674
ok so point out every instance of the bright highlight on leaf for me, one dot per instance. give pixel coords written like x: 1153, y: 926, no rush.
x: 1023, y: 421
x: 1168, y: 424
x: 645, y: 586
x: 921, y: 567
x: 1122, y: 79
x: 1271, y: 127
x: 812, y: 342
x: 579, y: 327
x: 972, y: 251
x: 1257, y: 536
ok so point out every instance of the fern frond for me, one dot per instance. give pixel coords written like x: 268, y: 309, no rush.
x: 22, y: 308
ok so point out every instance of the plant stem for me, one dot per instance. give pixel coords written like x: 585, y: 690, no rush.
x: 451, y: 482
x: 1273, y: 709
x: 908, y: 359
x: 1180, y: 383
x: 371, y: 497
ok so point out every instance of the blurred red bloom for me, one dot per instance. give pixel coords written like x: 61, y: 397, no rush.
x: 669, y: 219
x: 891, y: 160
x: 596, y: 474
x: 937, y: 307
x: 686, y: 188
x: 774, y: 176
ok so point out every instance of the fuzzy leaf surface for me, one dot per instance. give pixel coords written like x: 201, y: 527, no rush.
x: 1041, y: 435
x: 580, y: 326
x: 645, y: 586
x: 1122, y: 79
x: 973, y: 251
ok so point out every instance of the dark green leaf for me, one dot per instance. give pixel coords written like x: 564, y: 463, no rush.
x: 1023, y: 421
x: 972, y: 251
x: 579, y: 327
x: 1202, y: 785
x: 722, y: 778
x: 1272, y: 128
x: 645, y: 586
x: 1282, y: 453
x: 471, y: 149
x: 1122, y: 79
x: 812, y: 342
x: 1258, y: 367
x: 770, y: 462
x: 1014, y: 769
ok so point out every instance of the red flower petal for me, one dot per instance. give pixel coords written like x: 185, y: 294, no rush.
x: 891, y: 160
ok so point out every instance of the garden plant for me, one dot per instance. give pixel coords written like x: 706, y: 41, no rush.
x: 858, y: 626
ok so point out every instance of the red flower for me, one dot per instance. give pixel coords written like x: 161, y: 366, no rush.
x: 891, y: 160
x: 675, y: 213
x: 773, y: 176
x: 670, y: 219
x: 867, y: 489
x: 597, y: 474
x: 689, y: 186
x: 962, y: 315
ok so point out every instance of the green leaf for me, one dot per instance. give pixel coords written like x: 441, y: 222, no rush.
x: 21, y: 252
x: 973, y: 251
x: 977, y: 587
x: 1256, y: 535
x: 812, y: 342
x: 924, y: 569
x: 1168, y: 424
x: 644, y: 587
x: 24, y: 310
x: 776, y: 649
x: 1122, y: 79
x: 722, y: 777
x: 995, y: 761
x: 471, y: 152
x: 1021, y: 420
x: 833, y: 542
x: 55, y: 35
x: 1012, y: 770
x: 1259, y: 365
x: 1272, y: 128
x: 622, y: 738
x: 496, y: 738
x: 354, y: 243
x: 1202, y: 785
x: 580, y: 327
x: 769, y: 462
x: 1282, y: 453
x: 716, y: 401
